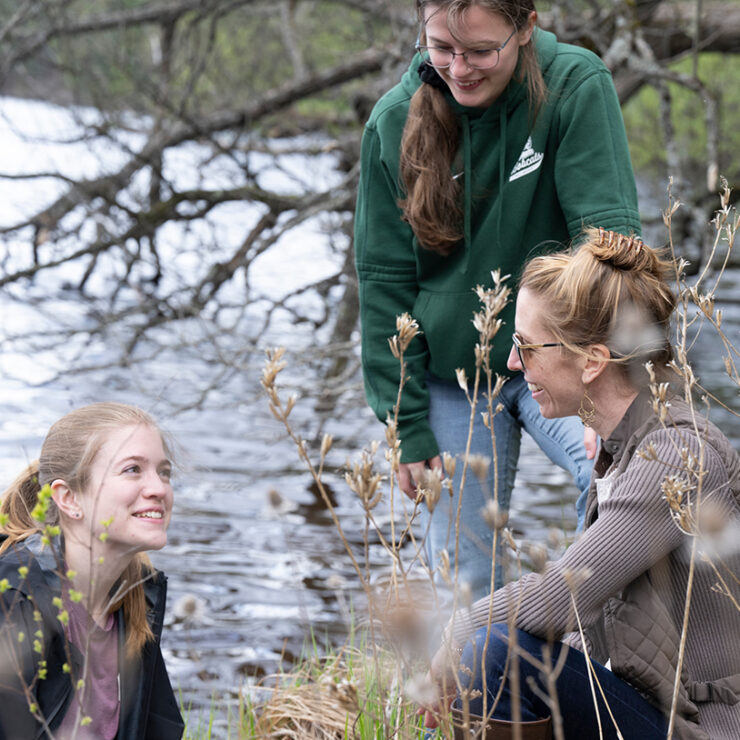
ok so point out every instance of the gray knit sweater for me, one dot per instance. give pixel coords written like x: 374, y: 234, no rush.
x: 628, y: 572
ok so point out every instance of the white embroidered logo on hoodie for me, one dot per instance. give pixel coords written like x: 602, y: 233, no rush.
x: 529, y: 160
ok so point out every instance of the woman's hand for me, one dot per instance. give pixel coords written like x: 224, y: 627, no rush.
x: 443, y: 675
x: 409, y: 474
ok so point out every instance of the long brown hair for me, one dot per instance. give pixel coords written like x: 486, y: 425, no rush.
x: 430, y: 138
x: 67, y: 454
x: 611, y: 290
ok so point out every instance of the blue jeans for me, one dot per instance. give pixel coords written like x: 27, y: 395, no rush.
x: 449, y: 417
x: 634, y: 715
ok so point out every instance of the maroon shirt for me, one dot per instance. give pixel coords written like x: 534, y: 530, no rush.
x: 100, y: 697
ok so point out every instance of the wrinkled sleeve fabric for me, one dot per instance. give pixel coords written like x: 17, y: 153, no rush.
x: 388, y: 287
x: 634, y: 531
x: 593, y: 170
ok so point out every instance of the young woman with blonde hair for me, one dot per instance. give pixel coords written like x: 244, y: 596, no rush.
x: 81, y: 607
x: 498, y: 143
x: 587, y: 322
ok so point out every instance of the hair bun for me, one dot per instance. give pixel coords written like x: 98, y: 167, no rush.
x: 620, y: 251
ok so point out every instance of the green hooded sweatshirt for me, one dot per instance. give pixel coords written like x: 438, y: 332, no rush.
x: 526, y: 191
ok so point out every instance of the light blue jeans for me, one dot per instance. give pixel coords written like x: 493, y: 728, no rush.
x: 449, y: 415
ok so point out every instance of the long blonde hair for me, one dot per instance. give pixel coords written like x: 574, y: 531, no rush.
x: 611, y: 290
x: 430, y: 138
x: 67, y: 454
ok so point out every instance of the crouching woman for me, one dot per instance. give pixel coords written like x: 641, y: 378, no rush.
x: 660, y: 539
x: 82, y: 608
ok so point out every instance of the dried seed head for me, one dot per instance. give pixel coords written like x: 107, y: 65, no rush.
x: 407, y: 329
x: 554, y: 538
x: 450, y: 463
x: 574, y: 578
x: 444, y: 567
x: 273, y: 366
x: 336, y: 582
x: 648, y: 452
x: 479, y: 464
x: 465, y: 595
x: 481, y: 355
x: 494, y: 516
x: 393, y: 456
x: 326, y: 442
x: 290, y: 404
x: 712, y: 518
x: 363, y: 480
x: 676, y: 490
x: 391, y: 431
x: 538, y: 555
x: 190, y: 609
x: 500, y: 380
x: 508, y: 539
x: 429, y: 485
x: 462, y: 378
x: 274, y: 498
x: 422, y: 690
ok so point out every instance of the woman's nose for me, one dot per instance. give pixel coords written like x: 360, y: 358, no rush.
x: 157, y: 485
x: 460, y: 59
x: 512, y: 361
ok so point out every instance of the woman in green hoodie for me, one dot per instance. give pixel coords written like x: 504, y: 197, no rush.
x: 499, y: 143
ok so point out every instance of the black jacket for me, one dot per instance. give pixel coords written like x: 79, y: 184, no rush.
x: 149, y: 710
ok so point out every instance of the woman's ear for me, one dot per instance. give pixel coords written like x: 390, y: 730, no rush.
x: 528, y: 29
x: 65, y: 499
x: 596, y: 362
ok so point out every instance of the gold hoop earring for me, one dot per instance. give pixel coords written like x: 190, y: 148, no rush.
x: 586, y: 415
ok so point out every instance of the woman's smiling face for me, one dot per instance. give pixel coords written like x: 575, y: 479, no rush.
x: 478, y: 29
x: 129, y: 495
x: 554, y: 374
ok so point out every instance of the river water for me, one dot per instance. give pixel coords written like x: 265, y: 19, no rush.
x: 254, y: 562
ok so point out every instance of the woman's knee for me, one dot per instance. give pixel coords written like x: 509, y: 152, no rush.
x: 485, y: 652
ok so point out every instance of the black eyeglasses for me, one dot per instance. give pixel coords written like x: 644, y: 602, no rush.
x: 521, y: 345
x: 474, y: 58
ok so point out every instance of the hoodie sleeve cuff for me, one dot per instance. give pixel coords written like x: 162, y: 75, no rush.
x: 417, y: 440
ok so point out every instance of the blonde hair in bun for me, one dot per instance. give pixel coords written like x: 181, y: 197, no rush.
x: 611, y: 289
